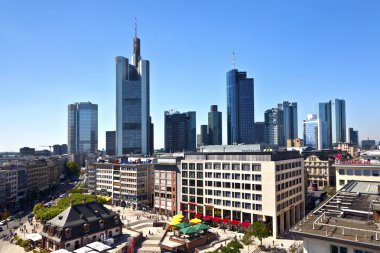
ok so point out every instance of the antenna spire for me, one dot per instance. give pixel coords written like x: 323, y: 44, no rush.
x: 135, y: 27
x: 233, y: 59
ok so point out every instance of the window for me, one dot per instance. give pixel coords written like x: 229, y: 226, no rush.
x: 358, y: 172
x: 375, y: 173
x: 191, y: 166
x: 199, y: 166
x: 184, y: 182
x: 184, y: 166
x: 341, y: 171
x: 184, y: 198
x: 366, y: 173
x: 192, y: 190
x: 208, y: 166
x: 199, y: 191
x: 184, y: 190
x: 341, y: 182
x: 343, y: 250
x: 199, y: 183
x: 200, y: 200
x: 350, y: 172
x: 257, y: 177
x: 184, y: 173
x: 257, y: 167
x: 334, y: 249
x: 192, y: 174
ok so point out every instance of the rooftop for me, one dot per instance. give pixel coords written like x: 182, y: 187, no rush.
x: 349, y: 217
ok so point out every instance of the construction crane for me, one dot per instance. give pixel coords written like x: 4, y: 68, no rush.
x: 46, y: 146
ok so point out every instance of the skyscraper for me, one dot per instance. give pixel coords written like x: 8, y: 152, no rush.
x: 314, y: 132
x: 259, y: 129
x: 82, y: 128
x: 133, y: 121
x: 215, y: 126
x: 334, y: 114
x: 111, y: 142
x: 274, y: 127
x: 203, y: 137
x: 290, y: 120
x: 180, y: 134
x: 352, y: 136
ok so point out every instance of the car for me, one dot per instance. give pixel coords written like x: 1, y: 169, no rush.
x: 10, y: 218
x: 31, y: 215
x: 3, y: 222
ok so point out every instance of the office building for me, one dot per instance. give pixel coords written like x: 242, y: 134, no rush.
x: 320, y: 172
x: 274, y: 127
x: 259, y: 130
x: 334, y: 114
x: 83, y: 128
x: 111, y: 142
x: 368, y: 144
x: 314, y: 132
x: 242, y: 187
x: 134, y: 133
x: 59, y: 149
x: 203, y: 137
x: 215, y: 126
x: 294, y: 143
x: 180, y: 132
x: 352, y: 136
x: 290, y: 119
x: 26, y: 151
x: 348, y: 222
x: 129, y: 183
x: 349, y: 148
x: 240, y: 108
x: 166, y: 192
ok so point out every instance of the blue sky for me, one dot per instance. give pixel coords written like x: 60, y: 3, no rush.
x: 53, y: 53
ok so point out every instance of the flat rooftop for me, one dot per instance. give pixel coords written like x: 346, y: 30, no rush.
x: 347, y: 217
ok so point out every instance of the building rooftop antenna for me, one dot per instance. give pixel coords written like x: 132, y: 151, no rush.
x: 233, y: 59
x: 135, y: 27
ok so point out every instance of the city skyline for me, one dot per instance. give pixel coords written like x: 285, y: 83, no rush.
x: 289, y: 50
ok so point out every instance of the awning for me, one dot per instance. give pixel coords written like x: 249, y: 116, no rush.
x: 217, y: 219
x: 235, y: 222
x: 198, y: 215
x: 245, y: 224
x: 207, y: 217
x: 34, y: 237
x: 225, y: 220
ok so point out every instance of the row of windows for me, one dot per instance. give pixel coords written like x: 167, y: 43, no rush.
x: 237, y: 195
x: 286, y: 194
x: 191, y: 174
x: 235, y: 176
x: 287, y: 166
x: 284, y: 176
x: 288, y: 184
x: 255, y: 187
x: 289, y: 202
x: 191, y: 190
x: 237, y: 204
x: 191, y: 182
x: 192, y: 166
x: 234, y: 166
x: 359, y: 172
x: 163, y: 195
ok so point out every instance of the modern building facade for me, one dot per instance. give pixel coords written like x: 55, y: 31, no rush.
x: 314, y: 132
x: 203, y: 136
x: 180, y: 132
x: 259, y: 129
x: 352, y: 136
x: 230, y: 186
x: 290, y: 119
x: 334, y: 114
x: 274, y: 127
x: 214, y: 126
x: 128, y: 183
x: 320, y: 172
x: 83, y: 128
x: 134, y: 128
x: 166, y: 192
x: 368, y: 144
x: 111, y: 142
x: 240, y: 108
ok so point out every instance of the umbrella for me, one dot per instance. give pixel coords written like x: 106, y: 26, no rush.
x: 201, y: 226
x: 189, y: 230
x: 182, y: 225
x: 178, y: 216
x: 174, y: 222
x: 61, y: 251
x: 195, y: 221
x: 34, y: 237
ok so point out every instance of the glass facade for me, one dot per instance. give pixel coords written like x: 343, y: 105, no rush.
x: 334, y: 114
x: 240, y: 108
x: 274, y: 127
x: 111, y: 142
x: 290, y: 120
x: 82, y: 128
x: 133, y: 121
x: 314, y: 132
x: 180, y: 132
x: 215, y: 126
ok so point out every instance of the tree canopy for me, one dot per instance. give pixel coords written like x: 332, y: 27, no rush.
x: 258, y: 230
x: 72, y: 169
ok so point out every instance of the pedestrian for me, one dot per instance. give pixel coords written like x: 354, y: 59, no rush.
x: 273, y: 243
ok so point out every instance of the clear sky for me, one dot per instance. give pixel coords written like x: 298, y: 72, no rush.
x: 53, y: 53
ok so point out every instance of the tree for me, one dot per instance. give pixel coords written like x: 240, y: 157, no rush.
x: 259, y: 230
x: 72, y: 169
x: 247, y: 240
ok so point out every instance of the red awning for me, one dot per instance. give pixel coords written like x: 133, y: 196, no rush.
x: 235, y: 222
x: 216, y: 219
x: 245, y: 224
x: 198, y: 215
x: 207, y: 217
x: 225, y: 220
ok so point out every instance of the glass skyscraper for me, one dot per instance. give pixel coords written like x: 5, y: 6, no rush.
x: 215, y: 126
x: 180, y: 132
x: 290, y: 120
x: 352, y: 136
x: 314, y: 132
x: 82, y: 128
x: 203, y: 137
x: 274, y: 127
x: 334, y: 114
x: 240, y: 108
x: 111, y: 142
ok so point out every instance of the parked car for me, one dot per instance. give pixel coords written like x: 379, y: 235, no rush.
x: 31, y: 215
x: 10, y: 218
x: 3, y: 222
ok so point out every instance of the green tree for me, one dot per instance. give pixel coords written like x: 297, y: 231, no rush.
x: 259, y: 230
x: 247, y: 240
x: 72, y: 169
